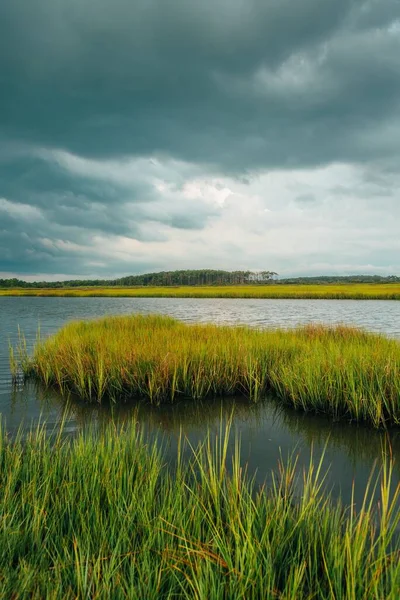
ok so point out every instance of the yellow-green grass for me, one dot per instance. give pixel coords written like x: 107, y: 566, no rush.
x: 363, y: 291
x: 341, y: 371
x: 103, y: 516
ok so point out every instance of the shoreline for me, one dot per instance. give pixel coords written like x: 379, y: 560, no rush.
x: 366, y: 291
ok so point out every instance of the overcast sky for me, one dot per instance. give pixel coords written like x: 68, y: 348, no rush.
x: 146, y: 135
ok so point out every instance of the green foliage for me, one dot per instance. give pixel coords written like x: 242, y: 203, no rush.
x: 340, y: 371
x: 102, y: 516
x: 163, y: 278
x: 199, y: 277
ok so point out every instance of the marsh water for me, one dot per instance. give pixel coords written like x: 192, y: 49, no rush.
x: 267, y: 430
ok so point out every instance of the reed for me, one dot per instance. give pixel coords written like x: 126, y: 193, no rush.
x: 102, y: 516
x: 363, y: 291
x: 340, y: 371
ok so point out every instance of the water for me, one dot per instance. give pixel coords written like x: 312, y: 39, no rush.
x: 267, y: 430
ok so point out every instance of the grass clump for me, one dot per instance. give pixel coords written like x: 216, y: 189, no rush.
x: 353, y: 291
x: 340, y: 371
x: 102, y: 516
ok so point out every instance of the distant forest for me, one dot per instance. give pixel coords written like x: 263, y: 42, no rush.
x: 163, y: 278
x: 200, y: 277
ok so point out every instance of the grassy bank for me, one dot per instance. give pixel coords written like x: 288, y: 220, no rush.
x: 340, y: 371
x: 363, y: 291
x: 104, y: 517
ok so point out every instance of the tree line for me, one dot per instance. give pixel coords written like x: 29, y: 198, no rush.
x: 324, y: 279
x: 199, y: 277
x: 163, y: 278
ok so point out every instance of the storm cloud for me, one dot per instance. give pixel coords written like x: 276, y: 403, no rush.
x: 141, y: 134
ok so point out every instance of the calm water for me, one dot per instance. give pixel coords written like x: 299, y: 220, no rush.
x: 266, y: 430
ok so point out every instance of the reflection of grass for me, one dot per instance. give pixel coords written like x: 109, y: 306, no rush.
x: 355, y: 291
x: 358, y: 443
x: 340, y: 371
x: 167, y: 418
x: 101, y: 516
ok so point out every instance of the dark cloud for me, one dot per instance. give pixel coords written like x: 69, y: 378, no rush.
x: 54, y: 204
x: 183, y: 77
x: 91, y: 90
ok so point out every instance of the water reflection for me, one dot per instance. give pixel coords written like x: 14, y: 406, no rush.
x: 267, y: 431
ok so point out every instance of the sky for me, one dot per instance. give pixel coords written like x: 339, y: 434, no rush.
x: 149, y: 135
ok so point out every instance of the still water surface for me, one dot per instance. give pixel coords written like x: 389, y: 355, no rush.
x: 267, y: 431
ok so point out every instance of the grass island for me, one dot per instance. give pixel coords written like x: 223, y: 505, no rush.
x: 340, y: 371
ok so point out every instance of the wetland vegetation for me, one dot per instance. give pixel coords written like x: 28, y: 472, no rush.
x: 103, y: 516
x: 340, y: 371
x: 106, y: 512
x: 211, y: 283
x: 334, y: 291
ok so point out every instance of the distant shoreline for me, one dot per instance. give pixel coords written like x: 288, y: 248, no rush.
x: 334, y: 291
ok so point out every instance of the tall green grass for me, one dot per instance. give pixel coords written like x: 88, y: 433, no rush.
x: 339, y: 371
x: 102, y: 516
x: 18, y: 356
x: 359, y: 291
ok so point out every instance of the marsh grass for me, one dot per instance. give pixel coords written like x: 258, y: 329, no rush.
x: 19, y: 357
x: 363, y: 291
x: 103, y: 516
x: 340, y: 371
